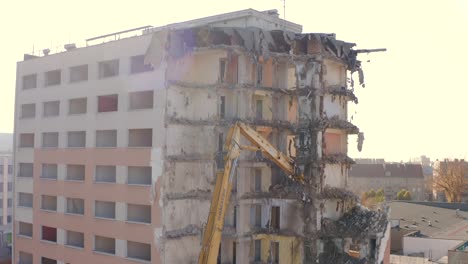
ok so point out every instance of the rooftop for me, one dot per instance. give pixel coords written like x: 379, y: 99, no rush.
x: 444, y: 223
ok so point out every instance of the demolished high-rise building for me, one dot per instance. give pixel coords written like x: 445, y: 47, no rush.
x: 149, y: 115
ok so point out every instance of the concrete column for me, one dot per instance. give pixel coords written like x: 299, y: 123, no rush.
x: 121, y: 174
x: 121, y: 248
x: 61, y: 236
x: 120, y: 211
x: 61, y: 171
x: 61, y: 204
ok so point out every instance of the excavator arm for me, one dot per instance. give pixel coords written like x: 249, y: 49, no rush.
x: 223, y: 187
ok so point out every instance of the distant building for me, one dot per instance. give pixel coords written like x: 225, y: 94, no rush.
x: 392, y: 177
x: 6, y: 187
x: 425, y: 229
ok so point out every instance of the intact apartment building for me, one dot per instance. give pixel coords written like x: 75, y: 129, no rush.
x: 391, y: 177
x: 6, y: 197
x: 118, y: 144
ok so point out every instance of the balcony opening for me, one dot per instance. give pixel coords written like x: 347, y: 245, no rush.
x: 106, y: 138
x: 234, y: 252
x: 137, y: 250
x: 222, y: 107
x: 25, y: 229
x: 75, y: 239
x: 259, y: 74
x: 77, y: 106
x: 76, y: 139
x: 257, y: 180
x: 25, y: 170
x: 139, y: 175
x: 137, y: 64
x: 45, y: 260
x: 104, y: 209
x: 274, y: 252
x: 104, y: 244
x: 108, y: 103
x: 29, y: 81
x: 232, y: 72
x: 49, y: 171
x: 25, y: 199
x: 140, y: 137
x: 222, y: 70
x: 75, y: 173
x: 49, y: 202
x: 49, y: 234
x: 27, y: 140
x: 256, y: 216
x: 257, y: 250
x: 75, y: 206
x: 259, y: 109
x: 105, y: 174
x: 28, y: 111
x: 50, y: 140
x: 51, y: 108
x: 333, y: 143
x: 275, y: 217
x: 25, y: 258
x: 236, y: 208
x: 108, y: 68
x: 139, y: 213
x: 79, y: 73
x: 141, y: 100
x: 53, y: 77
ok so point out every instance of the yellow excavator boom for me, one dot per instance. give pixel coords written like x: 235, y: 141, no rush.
x: 214, y: 227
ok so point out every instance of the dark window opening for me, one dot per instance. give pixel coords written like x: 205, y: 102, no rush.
x: 275, y: 252
x: 79, y: 73
x: 49, y: 234
x: 222, y: 107
x: 141, y: 100
x: 108, y: 103
x: 234, y: 252
x: 138, y: 64
x: 257, y: 250
x: 108, y: 68
x: 53, y: 77
x: 275, y: 217
x: 29, y: 81
x: 258, y: 180
x: 259, y: 109
x: 222, y: 70
x: 259, y: 74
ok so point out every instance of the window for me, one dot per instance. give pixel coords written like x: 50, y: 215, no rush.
x: 75, y: 239
x: 75, y: 173
x: 141, y: 100
x: 49, y: 234
x: 50, y: 140
x: 8, y: 219
x: 105, y: 174
x: 104, y: 244
x: 27, y: 140
x: 236, y: 208
x: 25, y: 199
x: 9, y: 203
x: 222, y: 70
x: 28, y: 111
x: 10, y: 169
x: 77, y: 139
x: 75, y: 206
x: 257, y: 250
x: 10, y: 186
x: 139, y: 213
x: 275, y: 252
x: 234, y: 252
x: 108, y: 68
x: 45, y: 260
x: 259, y: 74
x: 137, y: 250
x: 140, y: 137
x: 49, y: 202
x: 258, y: 180
x: 104, y: 209
x: 222, y: 107
x: 53, y: 78
x: 25, y: 229
x: 139, y: 175
x: 25, y: 258
x: 275, y: 217
x: 77, y: 106
x: 49, y: 171
x: 29, y: 81
x: 25, y: 170
x: 256, y: 215
x: 79, y: 73
x: 106, y: 138
x: 51, y: 108
x: 138, y: 64
x: 108, y: 103
x: 259, y: 109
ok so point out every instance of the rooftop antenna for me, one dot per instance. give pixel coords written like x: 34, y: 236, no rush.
x: 284, y: 9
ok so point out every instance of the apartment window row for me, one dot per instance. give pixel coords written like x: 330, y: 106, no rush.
x: 80, y: 73
x: 136, y: 175
x: 141, y: 137
x: 9, y: 169
x: 138, y: 213
x: 76, y: 106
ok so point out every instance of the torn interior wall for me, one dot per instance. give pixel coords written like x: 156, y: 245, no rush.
x: 293, y: 89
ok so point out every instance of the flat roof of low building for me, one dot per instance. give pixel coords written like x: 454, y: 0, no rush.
x: 444, y: 223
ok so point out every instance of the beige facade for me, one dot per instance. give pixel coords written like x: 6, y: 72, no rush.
x: 125, y: 138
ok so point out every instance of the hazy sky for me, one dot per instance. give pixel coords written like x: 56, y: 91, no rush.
x: 414, y: 100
